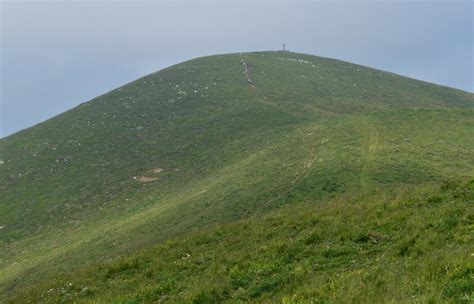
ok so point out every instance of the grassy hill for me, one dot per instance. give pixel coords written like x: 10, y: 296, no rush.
x: 214, y: 140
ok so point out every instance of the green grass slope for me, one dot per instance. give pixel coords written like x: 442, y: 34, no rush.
x: 395, y: 246
x: 212, y: 140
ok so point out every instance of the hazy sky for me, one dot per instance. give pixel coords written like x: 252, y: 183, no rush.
x: 55, y: 55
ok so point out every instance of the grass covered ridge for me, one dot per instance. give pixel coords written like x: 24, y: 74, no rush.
x: 400, y: 245
x: 211, y: 141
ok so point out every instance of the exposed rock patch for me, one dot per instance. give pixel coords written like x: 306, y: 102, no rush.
x: 157, y: 170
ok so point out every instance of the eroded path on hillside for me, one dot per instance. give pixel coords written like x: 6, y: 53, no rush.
x: 261, y: 98
x: 309, y: 160
x: 299, y: 176
x: 249, y: 80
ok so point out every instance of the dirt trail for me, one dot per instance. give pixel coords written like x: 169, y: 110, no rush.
x: 145, y: 179
x: 308, y: 163
x: 254, y: 88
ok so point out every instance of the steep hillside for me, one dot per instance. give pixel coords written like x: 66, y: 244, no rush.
x: 211, y: 140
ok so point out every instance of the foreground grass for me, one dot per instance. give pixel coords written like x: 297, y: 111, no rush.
x: 399, y: 245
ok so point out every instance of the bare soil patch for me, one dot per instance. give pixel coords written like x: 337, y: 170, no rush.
x: 145, y: 179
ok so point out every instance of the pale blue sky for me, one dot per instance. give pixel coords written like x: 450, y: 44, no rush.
x: 55, y: 55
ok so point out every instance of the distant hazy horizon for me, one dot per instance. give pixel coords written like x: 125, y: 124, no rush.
x: 56, y: 55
